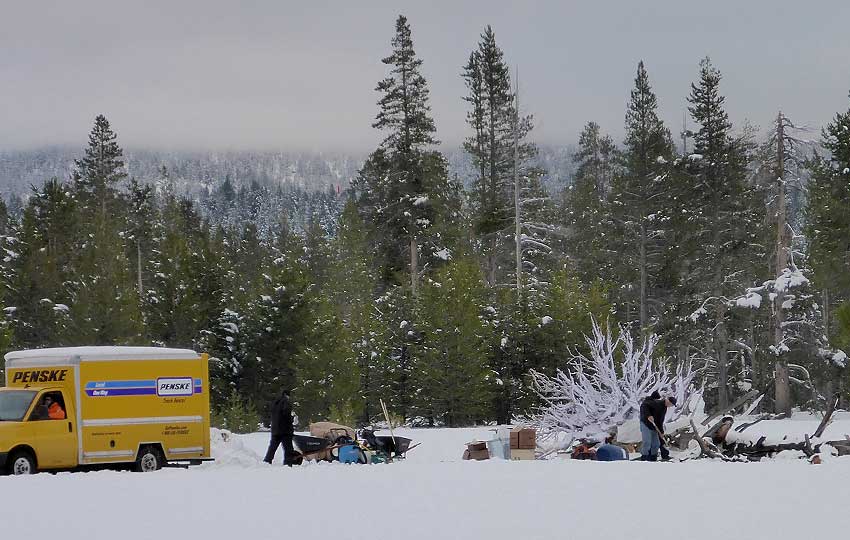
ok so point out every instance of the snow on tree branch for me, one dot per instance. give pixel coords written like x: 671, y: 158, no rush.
x: 599, y: 393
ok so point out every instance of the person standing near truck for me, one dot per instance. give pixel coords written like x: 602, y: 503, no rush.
x: 282, y: 430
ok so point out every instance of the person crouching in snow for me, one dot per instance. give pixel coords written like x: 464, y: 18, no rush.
x: 652, y: 413
x: 282, y: 430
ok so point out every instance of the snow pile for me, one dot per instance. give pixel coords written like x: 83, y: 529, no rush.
x: 229, y: 450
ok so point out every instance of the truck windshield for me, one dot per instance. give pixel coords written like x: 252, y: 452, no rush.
x: 14, y: 404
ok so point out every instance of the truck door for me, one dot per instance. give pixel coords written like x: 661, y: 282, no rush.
x: 55, y: 436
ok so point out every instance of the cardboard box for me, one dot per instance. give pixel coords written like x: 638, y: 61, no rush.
x: 519, y: 454
x: 477, y: 455
x: 523, y: 438
x: 476, y: 446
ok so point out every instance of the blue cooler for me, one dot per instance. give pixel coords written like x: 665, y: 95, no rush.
x: 349, y: 453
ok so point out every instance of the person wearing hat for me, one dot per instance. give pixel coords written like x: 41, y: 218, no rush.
x: 652, y: 413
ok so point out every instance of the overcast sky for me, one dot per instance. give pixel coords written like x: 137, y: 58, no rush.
x: 300, y: 75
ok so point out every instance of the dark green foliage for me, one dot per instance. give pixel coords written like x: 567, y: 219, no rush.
x: 828, y: 221
x: 237, y: 415
x: 404, y: 288
x: 586, y: 210
x: 493, y: 118
x: 452, y: 381
x: 719, y: 227
x: 639, y: 204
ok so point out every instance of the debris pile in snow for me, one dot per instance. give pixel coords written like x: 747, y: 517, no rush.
x: 228, y: 449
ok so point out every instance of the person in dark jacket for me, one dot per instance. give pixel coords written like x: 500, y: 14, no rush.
x: 282, y: 430
x: 652, y: 413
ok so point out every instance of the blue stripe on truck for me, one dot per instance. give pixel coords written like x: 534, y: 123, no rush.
x: 121, y: 384
x: 129, y: 388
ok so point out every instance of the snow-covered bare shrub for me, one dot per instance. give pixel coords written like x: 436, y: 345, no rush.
x: 595, y: 395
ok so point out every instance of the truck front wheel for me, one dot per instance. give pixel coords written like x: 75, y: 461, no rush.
x: 21, y: 462
x: 150, y: 459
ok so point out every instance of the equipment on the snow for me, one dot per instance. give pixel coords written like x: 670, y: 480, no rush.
x: 386, y: 448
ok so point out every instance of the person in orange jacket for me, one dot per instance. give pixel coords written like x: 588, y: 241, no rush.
x: 54, y: 410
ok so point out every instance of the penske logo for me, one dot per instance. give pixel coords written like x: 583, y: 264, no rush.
x: 182, y: 386
x: 164, y: 386
x: 40, y: 376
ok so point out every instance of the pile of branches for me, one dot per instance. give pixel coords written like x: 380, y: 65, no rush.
x: 725, y: 440
x: 595, y: 394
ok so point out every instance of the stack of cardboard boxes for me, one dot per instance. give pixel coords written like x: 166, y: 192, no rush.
x: 523, y: 443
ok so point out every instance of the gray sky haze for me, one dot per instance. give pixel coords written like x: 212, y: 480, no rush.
x: 296, y: 75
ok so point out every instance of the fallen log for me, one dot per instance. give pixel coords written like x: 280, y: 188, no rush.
x: 737, y: 403
x: 830, y: 408
x: 705, y: 450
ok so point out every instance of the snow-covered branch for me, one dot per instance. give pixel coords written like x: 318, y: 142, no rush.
x: 601, y: 392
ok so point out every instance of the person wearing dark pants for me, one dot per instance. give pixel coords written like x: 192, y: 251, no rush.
x: 282, y: 430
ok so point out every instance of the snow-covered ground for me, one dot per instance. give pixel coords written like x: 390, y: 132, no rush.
x: 435, y: 495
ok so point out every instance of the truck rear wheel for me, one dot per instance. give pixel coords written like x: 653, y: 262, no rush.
x: 21, y: 462
x: 150, y: 459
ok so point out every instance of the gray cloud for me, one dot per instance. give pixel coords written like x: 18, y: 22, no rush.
x: 301, y: 75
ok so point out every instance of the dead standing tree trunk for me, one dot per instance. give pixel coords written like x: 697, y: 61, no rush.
x: 783, y: 386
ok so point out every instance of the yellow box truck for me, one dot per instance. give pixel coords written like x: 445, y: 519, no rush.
x: 74, y: 407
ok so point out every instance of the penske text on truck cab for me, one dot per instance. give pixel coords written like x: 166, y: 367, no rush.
x: 87, y: 406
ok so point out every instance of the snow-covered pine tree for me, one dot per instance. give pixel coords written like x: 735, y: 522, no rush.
x: 97, y: 174
x: 335, y: 369
x: 184, y: 293
x: 638, y: 200
x: 827, y: 231
x: 827, y: 223
x: 104, y: 298
x: 37, y: 299
x: 585, y: 204
x: 451, y: 377
x: 718, y: 230
x: 403, y: 183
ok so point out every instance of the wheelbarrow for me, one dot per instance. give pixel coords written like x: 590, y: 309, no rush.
x: 386, y: 447
x: 321, y: 449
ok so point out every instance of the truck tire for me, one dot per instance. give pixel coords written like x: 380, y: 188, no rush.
x: 21, y: 462
x: 149, y: 460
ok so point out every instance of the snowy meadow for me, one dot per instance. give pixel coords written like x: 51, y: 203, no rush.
x: 434, y: 494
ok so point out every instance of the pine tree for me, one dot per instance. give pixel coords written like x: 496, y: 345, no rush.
x: 142, y: 215
x: 398, y: 184
x: 586, y: 211
x: 336, y: 371
x: 637, y: 201
x: 827, y: 224
x: 451, y: 377
x: 828, y: 232
x: 105, y: 302
x: 718, y: 230
x: 44, y: 263
x: 492, y: 118
x: 184, y: 294
x: 98, y: 172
